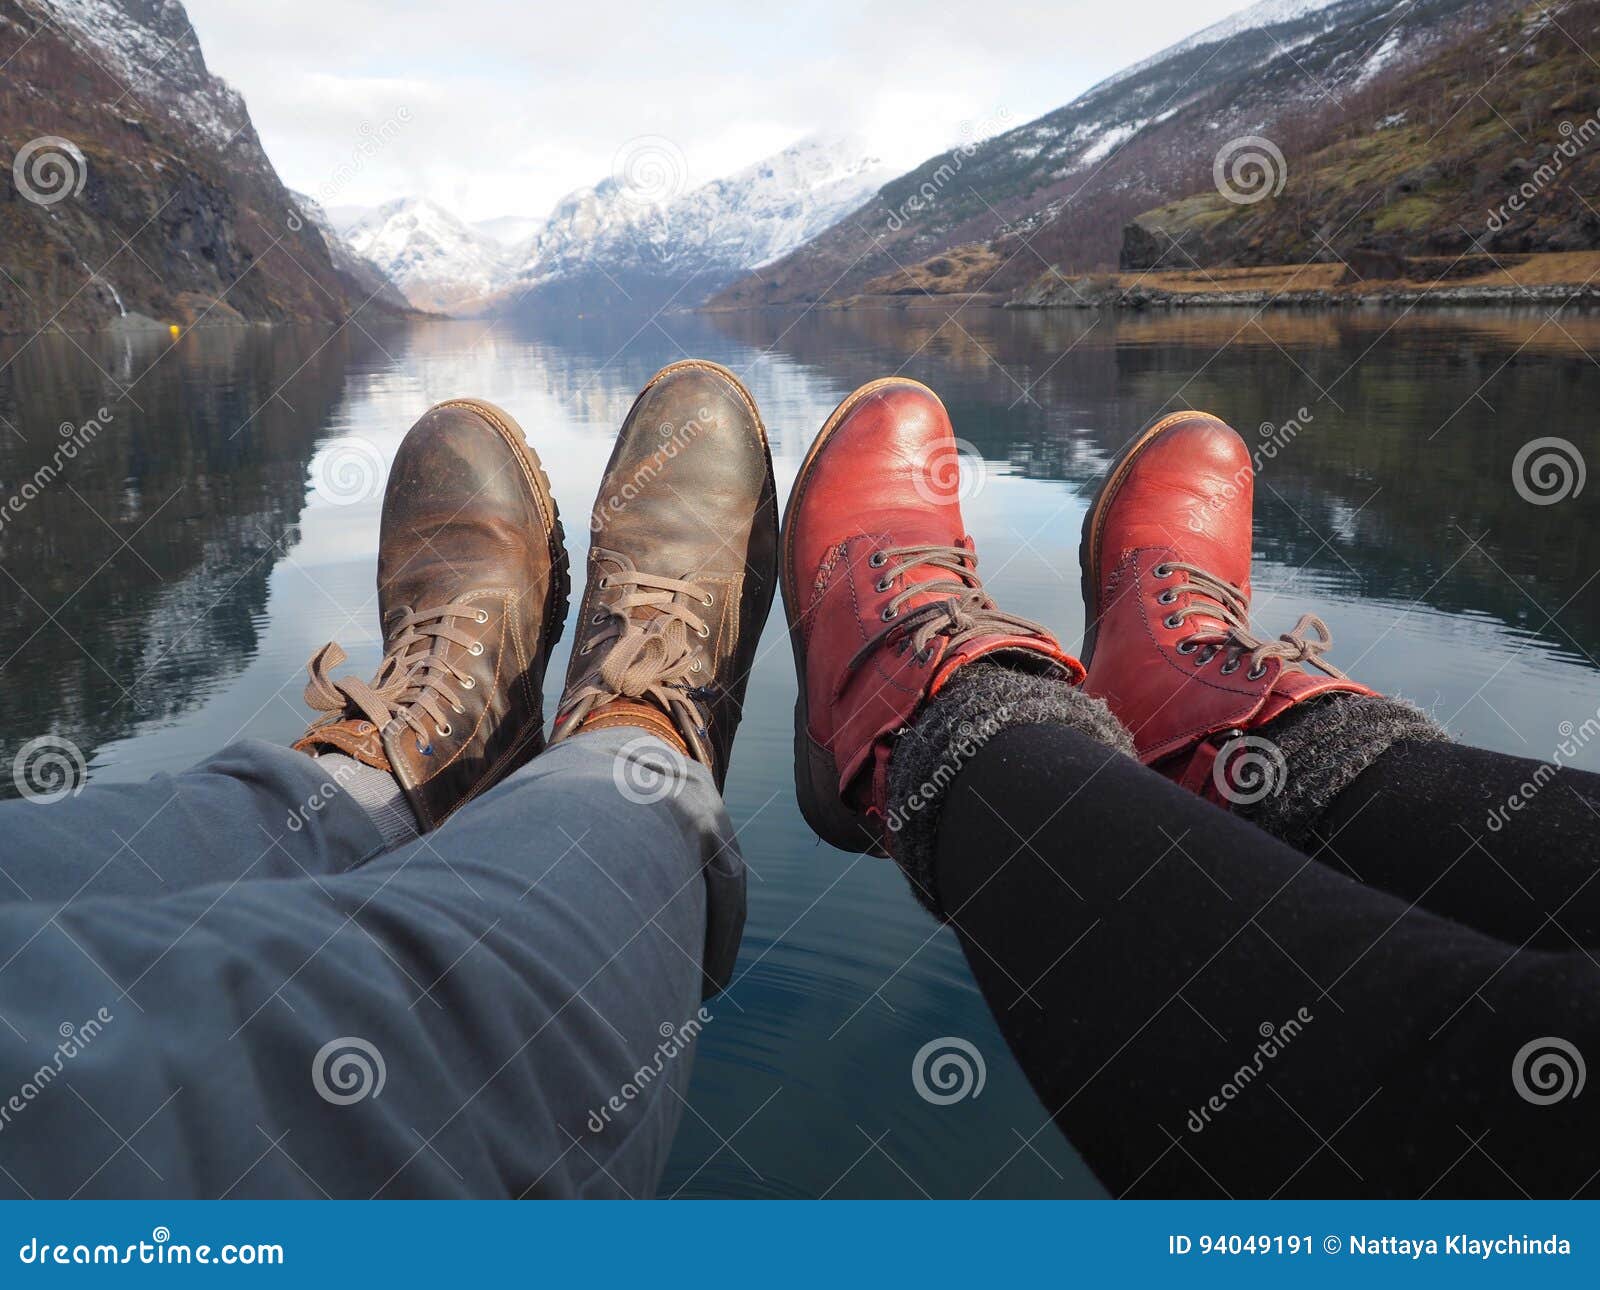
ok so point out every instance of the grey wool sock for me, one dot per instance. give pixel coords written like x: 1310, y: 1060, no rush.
x: 981, y: 700
x: 1325, y: 743
x: 377, y: 793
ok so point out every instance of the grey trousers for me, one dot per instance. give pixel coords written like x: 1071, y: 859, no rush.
x: 219, y: 983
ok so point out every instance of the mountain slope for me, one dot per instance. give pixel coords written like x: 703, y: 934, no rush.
x: 133, y: 183
x: 1491, y: 148
x: 1058, y: 190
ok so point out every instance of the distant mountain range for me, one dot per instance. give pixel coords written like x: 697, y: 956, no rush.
x: 632, y: 239
x: 135, y: 186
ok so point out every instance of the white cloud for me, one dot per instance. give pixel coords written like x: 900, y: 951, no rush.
x: 508, y: 106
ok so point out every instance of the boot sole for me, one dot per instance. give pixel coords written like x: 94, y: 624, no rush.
x: 1094, y: 521
x: 816, y: 775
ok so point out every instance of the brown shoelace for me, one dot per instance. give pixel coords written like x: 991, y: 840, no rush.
x: 650, y: 653
x: 1229, y: 606
x: 965, y: 612
x: 413, y: 677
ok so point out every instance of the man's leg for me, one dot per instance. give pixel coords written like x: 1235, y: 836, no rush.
x: 254, y: 810
x: 1205, y: 1011
x: 505, y: 1006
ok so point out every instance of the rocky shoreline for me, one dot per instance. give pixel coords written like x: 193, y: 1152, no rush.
x: 1101, y: 297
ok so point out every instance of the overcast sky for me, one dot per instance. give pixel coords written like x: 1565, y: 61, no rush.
x: 498, y: 108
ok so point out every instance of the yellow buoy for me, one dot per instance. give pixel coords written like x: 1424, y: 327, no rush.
x: 174, y: 329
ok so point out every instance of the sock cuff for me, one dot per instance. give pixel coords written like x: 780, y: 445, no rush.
x: 980, y: 701
x: 377, y: 793
x: 1325, y: 744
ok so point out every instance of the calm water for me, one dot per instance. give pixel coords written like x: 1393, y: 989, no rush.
x: 161, y: 596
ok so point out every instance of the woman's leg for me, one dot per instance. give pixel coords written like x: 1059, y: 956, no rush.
x: 1205, y: 1011
x: 1506, y: 845
x: 505, y: 1006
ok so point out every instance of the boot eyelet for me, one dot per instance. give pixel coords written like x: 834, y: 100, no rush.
x: 703, y: 633
x: 1187, y: 647
x: 458, y: 709
x: 1161, y: 571
x: 1204, y: 657
x: 482, y: 615
x: 1256, y: 673
x: 1167, y: 597
x: 1172, y: 620
x: 586, y: 649
x: 445, y: 731
x: 364, y: 728
x: 467, y: 683
x: 883, y: 584
x: 605, y: 584
x: 599, y: 618
x: 709, y: 601
x: 476, y: 649
x: 1230, y: 667
x: 695, y: 666
x: 878, y: 560
x: 888, y: 613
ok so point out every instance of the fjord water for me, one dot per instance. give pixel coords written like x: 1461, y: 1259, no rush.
x: 161, y: 594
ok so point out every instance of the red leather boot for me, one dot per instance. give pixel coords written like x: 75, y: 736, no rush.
x: 1166, y: 589
x: 883, y: 599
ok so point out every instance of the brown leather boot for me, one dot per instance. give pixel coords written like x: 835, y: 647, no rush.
x: 682, y: 568
x: 472, y: 591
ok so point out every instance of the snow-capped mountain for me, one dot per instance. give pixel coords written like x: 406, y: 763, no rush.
x: 439, y: 262
x: 617, y: 242
x: 367, y: 275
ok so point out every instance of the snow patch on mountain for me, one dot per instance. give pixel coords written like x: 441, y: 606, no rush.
x: 1268, y: 13
x: 437, y: 260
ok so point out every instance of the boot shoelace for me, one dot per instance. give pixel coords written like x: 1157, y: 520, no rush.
x: 408, y: 680
x: 965, y: 612
x: 1229, y: 606
x: 651, y: 635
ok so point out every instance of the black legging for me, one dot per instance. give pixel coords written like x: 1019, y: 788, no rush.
x: 1137, y: 943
